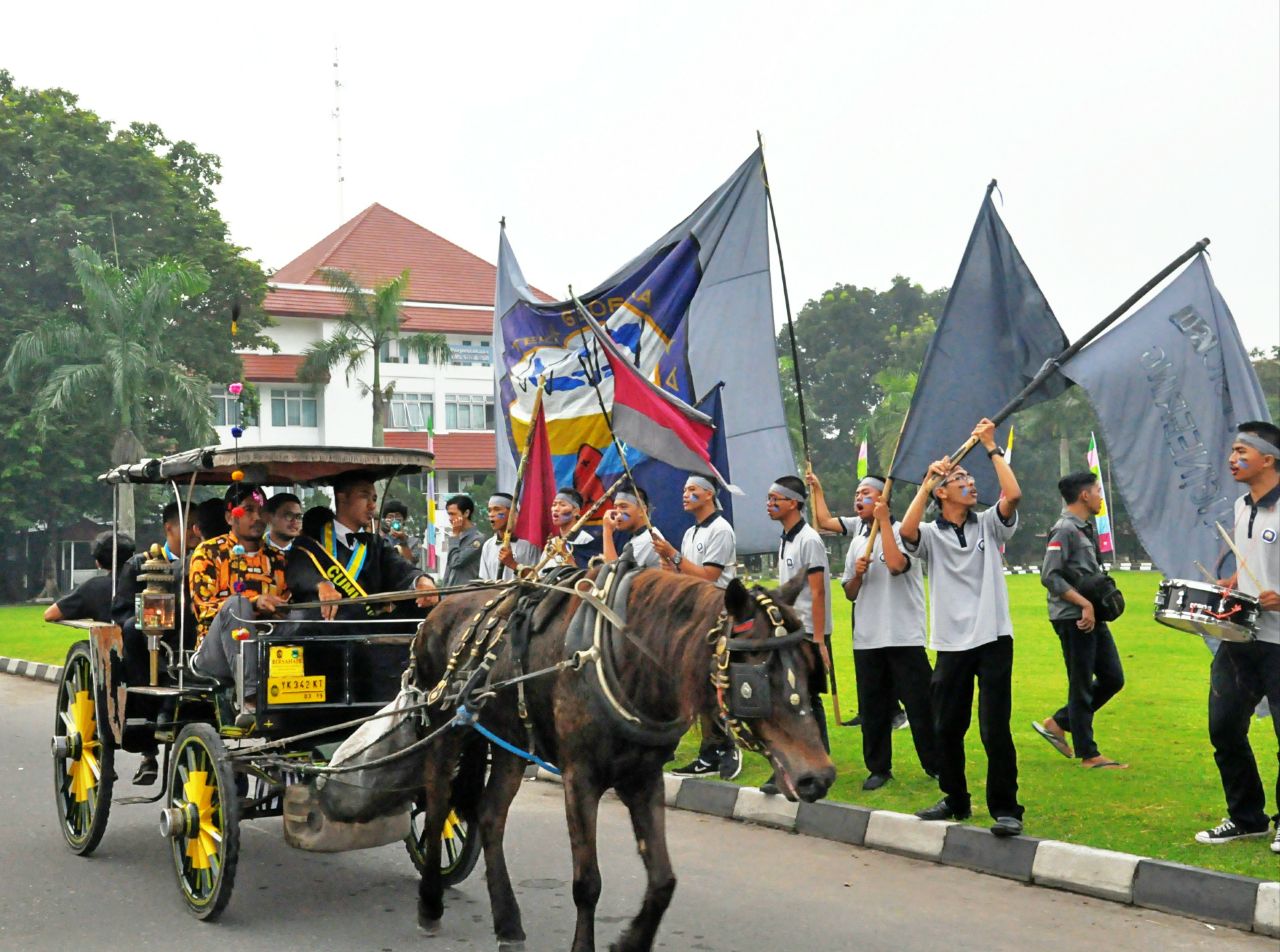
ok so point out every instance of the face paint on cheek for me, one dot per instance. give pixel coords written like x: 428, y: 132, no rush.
x: 1242, y: 464
x: 964, y: 491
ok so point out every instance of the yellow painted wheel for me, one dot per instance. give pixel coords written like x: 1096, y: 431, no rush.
x: 83, y: 761
x: 203, y: 820
x: 459, y: 845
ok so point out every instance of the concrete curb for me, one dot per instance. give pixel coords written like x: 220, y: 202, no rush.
x: 30, y: 669
x: 1236, y: 901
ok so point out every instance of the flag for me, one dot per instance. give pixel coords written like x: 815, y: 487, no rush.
x: 861, y: 471
x: 996, y: 332
x: 665, y: 484
x: 692, y: 310
x: 537, y: 489
x: 431, y: 497
x: 1169, y: 385
x: 1106, y: 543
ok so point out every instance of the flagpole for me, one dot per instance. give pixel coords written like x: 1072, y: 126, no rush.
x: 1055, y: 363
x: 786, y: 299
x: 888, y: 481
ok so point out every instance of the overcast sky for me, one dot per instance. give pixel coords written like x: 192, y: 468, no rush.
x: 1120, y: 132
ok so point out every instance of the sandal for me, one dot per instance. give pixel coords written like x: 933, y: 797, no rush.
x: 1058, y: 743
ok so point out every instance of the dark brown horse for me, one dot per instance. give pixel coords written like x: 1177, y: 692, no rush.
x: 664, y: 666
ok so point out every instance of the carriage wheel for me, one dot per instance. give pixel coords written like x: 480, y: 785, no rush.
x: 459, y: 845
x: 83, y: 763
x: 203, y: 820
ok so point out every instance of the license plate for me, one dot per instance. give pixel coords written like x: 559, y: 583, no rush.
x: 307, y: 689
x: 285, y: 661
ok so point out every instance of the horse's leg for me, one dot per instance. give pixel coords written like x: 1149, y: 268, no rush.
x: 436, y: 789
x: 582, y: 803
x: 648, y: 820
x: 506, y: 773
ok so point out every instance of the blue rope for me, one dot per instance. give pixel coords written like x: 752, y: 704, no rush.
x: 465, y: 717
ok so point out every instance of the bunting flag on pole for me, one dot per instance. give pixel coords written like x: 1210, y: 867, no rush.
x: 538, y: 487
x: 1169, y: 385
x: 692, y: 310
x: 996, y: 332
x: 861, y: 471
x: 1106, y: 542
x: 431, y: 498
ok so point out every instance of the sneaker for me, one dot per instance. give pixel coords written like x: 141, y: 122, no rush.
x: 1227, y: 832
x: 855, y: 721
x: 1007, y: 826
x: 942, y: 810
x: 900, y: 721
x: 730, y: 763
x: 876, y: 781
x: 770, y: 787
x: 699, y: 768
x: 1275, y: 843
x: 147, y: 773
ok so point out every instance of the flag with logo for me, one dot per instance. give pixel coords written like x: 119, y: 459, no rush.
x: 692, y: 310
x: 1106, y: 542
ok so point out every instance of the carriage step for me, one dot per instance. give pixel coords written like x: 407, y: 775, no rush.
x: 129, y: 801
x: 154, y: 691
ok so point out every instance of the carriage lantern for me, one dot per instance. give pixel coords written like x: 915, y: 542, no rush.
x: 156, y: 604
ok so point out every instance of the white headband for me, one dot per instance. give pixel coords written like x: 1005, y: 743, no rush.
x: 626, y: 497
x: 565, y: 497
x: 873, y: 482
x: 779, y: 490
x: 1259, y: 444
x: 500, y: 501
x: 703, y: 483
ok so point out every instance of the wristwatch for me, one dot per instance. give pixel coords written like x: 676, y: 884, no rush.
x: 995, y: 451
x: 676, y: 560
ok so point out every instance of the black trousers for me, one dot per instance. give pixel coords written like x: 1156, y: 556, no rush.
x: 886, y: 675
x: 1241, y: 675
x: 954, y: 674
x: 1094, y: 677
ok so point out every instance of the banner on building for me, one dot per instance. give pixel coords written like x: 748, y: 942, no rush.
x: 692, y: 311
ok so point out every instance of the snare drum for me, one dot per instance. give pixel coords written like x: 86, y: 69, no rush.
x: 1203, y: 608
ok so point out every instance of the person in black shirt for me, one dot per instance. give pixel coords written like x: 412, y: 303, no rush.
x: 92, y: 598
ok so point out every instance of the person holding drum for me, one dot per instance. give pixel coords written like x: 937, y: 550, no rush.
x: 1244, y: 672
x: 1094, y: 673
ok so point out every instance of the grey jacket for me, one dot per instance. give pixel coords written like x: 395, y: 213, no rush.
x: 463, y: 563
x: 1073, y: 547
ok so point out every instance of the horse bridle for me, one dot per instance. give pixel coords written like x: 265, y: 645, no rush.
x: 743, y: 689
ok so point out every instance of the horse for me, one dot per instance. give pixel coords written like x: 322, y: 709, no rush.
x: 658, y: 671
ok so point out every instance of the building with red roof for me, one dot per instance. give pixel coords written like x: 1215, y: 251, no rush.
x: 450, y: 292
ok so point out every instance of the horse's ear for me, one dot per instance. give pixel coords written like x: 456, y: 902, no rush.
x: 737, y: 600
x: 788, y: 593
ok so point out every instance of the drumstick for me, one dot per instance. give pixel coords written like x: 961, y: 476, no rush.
x: 1209, y: 576
x: 1240, y: 561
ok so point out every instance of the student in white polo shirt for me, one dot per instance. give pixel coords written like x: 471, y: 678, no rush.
x: 627, y: 524
x: 801, y: 553
x: 1244, y: 672
x: 887, y: 589
x: 972, y: 630
x: 499, y: 562
x: 709, y: 551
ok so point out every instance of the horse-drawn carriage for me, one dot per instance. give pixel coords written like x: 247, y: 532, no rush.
x: 319, y: 680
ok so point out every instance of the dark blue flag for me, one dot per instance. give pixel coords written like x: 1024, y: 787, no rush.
x: 996, y: 332
x: 1170, y: 384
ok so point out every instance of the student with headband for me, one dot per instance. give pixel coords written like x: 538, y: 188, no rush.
x: 498, y: 561
x: 565, y: 509
x: 630, y: 517
x: 708, y: 551
x: 1245, y: 672
x: 889, y: 658
x: 801, y: 553
x: 972, y: 629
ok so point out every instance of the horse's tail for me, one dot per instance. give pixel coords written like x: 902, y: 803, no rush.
x: 468, y: 782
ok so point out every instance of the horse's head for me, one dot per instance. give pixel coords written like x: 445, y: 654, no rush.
x: 764, y: 665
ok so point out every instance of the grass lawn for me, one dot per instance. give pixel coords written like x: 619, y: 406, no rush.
x: 1157, y: 725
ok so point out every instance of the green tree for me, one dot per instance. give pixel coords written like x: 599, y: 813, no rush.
x: 1268, y: 370
x: 112, y: 353
x: 69, y: 178
x: 372, y: 321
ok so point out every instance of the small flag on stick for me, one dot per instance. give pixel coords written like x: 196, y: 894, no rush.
x: 1106, y: 542
x: 862, y: 457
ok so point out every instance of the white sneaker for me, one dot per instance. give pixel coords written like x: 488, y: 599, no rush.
x: 1227, y: 832
x: 1275, y: 843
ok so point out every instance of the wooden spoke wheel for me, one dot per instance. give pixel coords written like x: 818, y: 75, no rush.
x: 459, y: 845
x: 202, y: 820
x: 83, y: 762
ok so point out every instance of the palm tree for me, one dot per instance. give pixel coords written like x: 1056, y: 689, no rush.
x: 373, y: 319
x: 111, y: 357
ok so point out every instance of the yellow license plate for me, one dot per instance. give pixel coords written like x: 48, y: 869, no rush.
x: 307, y: 689
x: 285, y: 661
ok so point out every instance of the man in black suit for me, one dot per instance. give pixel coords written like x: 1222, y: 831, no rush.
x: 349, y: 560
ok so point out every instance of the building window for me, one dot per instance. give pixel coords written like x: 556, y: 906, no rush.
x: 411, y: 411
x: 468, y: 411
x: 392, y: 352
x: 471, y: 353
x: 226, y: 408
x: 293, y: 407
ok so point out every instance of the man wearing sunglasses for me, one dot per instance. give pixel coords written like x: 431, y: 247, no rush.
x: 972, y: 630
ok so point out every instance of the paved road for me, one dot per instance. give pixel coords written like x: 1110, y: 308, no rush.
x: 741, y: 887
